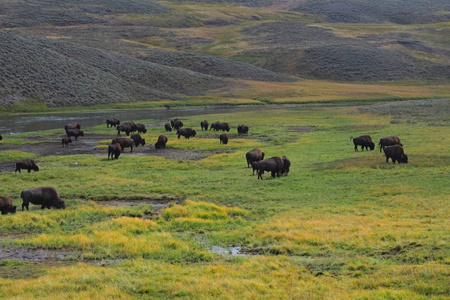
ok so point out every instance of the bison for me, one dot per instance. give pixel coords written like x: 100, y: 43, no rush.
x: 389, y: 141
x: 161, y: 143
x: 6, y: 205
x: 112, y: 122
x: 286, y: 165
x: 127, y: 127
x: 177, y: 124
x: 186, y: 132
x: 1, y: 138
x: 396, y: 153
x: 223, y: 139
x: 273, y: 165
x: 73, y: 125
x: 27, y: 164
x: 138, y: 140
x: 65, y: 141
x: 204, y: 124
x: 75, y: 133
x: 220, y: 126
x: 114, y: 151
x: 124, y: 143
x: 242, y: 129
x: 141, y: 128
x: 254, y: 155
x: 168, y: 127
x: 365, y: 141
x: 45, y: 196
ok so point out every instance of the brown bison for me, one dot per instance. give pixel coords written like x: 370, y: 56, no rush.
x: 138, y: 140
x: 242, y: 129
x: 141, y: 128
x: 204, y: 124
x: 286, y: 165
x: 75, y: 133
x: 186, y: 132
x: 124, y: 143
x: 65, y: 141
x: 254, y: 155
x: 177, y: 124
x: 114, y: 151
x: 223, y: 138
x: 389, y: 141
x: 168, y: 127
x: 220, y: 126
x: 127, y: 127
x: 161, y: 143
x: 1, y: 138
x: 396, y: 153
x: 6, y: 205
x: 112, y: 122
x: 45, y: 196
x: 27, y: 164
x: 365, y: 141
x: 273, y: 165
x: 73, y: 125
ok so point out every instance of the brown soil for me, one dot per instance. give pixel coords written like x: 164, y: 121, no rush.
x: 300, y: 129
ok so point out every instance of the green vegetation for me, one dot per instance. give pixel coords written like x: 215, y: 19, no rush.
x: 342, y: 225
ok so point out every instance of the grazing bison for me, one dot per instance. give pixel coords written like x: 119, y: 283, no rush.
x: 124, y: 143
x: 27, y: 164
x: 141, y: 128
x: 223, y: 139
x: 396, y: 153
x: 1, y: 138
x: 65, y: 141
x: 75, y: 133
x: 127, y: 127
x: 254, y: 155
x: 6, y: 205
x: 177, y: 124
x: 138, y: 140
x: 73, y: 125
x: 365, y: 141
x: 186, y: 132
x: 242, y: 129
x: 161, y: 143
x: 114, y: 149
x: 112, y: 122
x: 45, y: 196
x: 286, y: 165
x: 389, y: 141
x: 204, y: 124
x: 168, y: 127
x: 273, y: 165
x: 220, y: 126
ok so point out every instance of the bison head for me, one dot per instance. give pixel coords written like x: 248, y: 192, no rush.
x: 13, y: 210
x: 35, y: 168
x: 145, y: 130
x: 371, y: 146
x: 262, y: 155
x: 193, y: 133
x: 60, y: 204
x: 143, y: 142
x: 404, y: 159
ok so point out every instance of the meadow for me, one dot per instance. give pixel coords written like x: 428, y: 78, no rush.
x: 341, y: 225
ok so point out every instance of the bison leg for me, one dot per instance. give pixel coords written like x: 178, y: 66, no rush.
x: 25, y: 204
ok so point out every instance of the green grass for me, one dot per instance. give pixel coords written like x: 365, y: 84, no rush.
x: 371, y: 229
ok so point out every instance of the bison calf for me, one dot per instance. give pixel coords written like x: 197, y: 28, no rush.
x: 161, y: 143
x: 223, y: 139
x: 115, y: 150
x: 396, y: 154
x: 45, y: 196
x: 204, y: 124
x: 65, y: 141
x: 168, y: 127
x: 6, y: 205
x: 27, y: 164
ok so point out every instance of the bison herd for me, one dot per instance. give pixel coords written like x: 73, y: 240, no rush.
x: 391, y: 146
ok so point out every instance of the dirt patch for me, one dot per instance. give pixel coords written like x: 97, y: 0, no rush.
x: 157, y: 204
x: 177, y: 154
x: 300, y: 129
x: 25, y: 254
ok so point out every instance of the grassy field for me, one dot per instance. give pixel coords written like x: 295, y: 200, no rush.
x: 341, y: 225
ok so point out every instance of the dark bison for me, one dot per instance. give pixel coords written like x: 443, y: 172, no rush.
x: 1, y: 138
x: 389, y: 141
x: 286, y: 165
x: 27, y: 164
x: 242, y: 129
x: 168, y: 127
x: 138, y: 140
x: 254, y: 155
x: 223, y: 139
x: 75, y: 133
x: 127, y: 127
x: 220, y: 126
x: 396, y: 153
x: 112, y: 122
x: 65, y: 141
x: 177, y: 124
x: 114, y: 151
x: 161, y: 143
x: 73, y: 125
x: 45, y: 196
x: 186, y: 132
x: 365, y: 141
x: 6, y: 205
x: 124, y: 143
x: 141, y: 128
x: 273, y: 165
x: 204, y: 124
